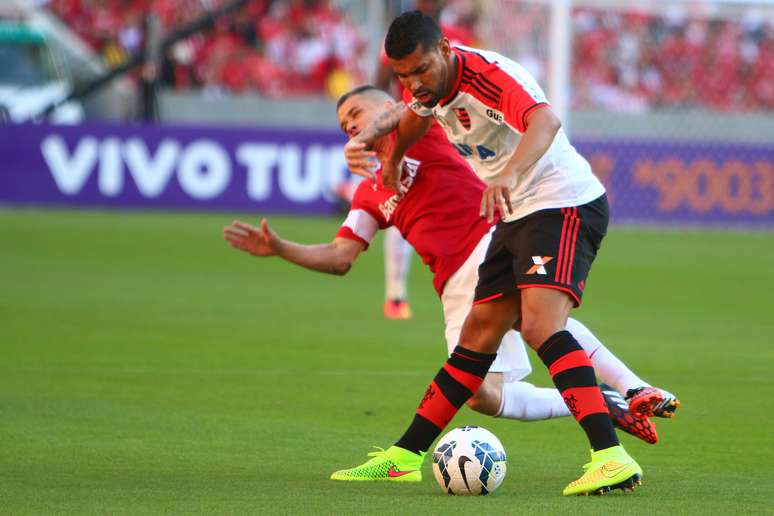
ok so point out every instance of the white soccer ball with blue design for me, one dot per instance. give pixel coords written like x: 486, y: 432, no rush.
x: 469, y: 461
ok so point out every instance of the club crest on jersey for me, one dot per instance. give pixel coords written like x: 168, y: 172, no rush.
x: 463, y: 117
x: 408, y: 175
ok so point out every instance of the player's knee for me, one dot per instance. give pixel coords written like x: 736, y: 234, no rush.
x: 535, y: 331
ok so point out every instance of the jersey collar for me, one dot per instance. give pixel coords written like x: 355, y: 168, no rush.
x: 457, y: 80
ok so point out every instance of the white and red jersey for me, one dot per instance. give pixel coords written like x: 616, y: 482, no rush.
x: 484, y: 117
x: 438, y: 214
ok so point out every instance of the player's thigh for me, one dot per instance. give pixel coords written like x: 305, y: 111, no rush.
x: 457, y: 298
x: 488, y: 322
x: 555, y: 248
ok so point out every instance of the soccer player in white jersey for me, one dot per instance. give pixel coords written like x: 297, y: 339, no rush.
x: 451, y: 239
x: 554, y: 214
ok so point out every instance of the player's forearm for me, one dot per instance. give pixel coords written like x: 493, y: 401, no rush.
x: 411, y: 128
x: 318, y: 257
x: 385, y: 123
x: 534, y: 143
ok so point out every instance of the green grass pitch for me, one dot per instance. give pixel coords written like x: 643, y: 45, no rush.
x: 147, y: 368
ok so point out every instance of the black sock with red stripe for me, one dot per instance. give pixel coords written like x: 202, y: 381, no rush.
x: 574, y: 376
x: 459, y: 378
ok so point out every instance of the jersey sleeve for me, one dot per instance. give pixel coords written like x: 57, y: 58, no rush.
x: 359, y: 226
x: 363, y: 220
x: 517, y: 101
x: 415, y: 105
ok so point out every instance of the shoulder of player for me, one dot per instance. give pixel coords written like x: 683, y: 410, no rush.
x: 488, y: 75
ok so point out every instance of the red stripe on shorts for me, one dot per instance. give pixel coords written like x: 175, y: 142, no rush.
x: 560, y: 254
x: 571, y: 257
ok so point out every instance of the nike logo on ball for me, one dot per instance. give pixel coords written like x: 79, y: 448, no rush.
x: 461, y: 463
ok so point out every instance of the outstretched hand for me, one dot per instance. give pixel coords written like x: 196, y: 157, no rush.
x: 261, y: 241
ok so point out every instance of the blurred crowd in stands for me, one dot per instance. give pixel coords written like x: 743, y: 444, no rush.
x: 622, y: 60
x: 635, y: 61
x: 276, y: 48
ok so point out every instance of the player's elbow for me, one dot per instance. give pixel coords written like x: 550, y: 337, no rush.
x: 551, y: 121
x: 341, y: 268
x: 546, y: 120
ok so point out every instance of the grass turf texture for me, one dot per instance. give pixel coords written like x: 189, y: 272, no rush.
x: 148, y: 368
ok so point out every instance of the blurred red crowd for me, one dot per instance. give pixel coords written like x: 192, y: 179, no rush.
x: 276, y: 48
x: 622, y: 60
x: 637, y: 62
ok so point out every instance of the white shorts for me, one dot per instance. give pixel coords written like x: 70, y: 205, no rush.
x: 457, y: 300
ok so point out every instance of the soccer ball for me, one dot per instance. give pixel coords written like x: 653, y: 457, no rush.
x: 469, y: 461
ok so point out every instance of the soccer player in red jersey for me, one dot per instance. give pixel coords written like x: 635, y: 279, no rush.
x: 553, y: 217
x: 398, y: 252
x: 451, y: 239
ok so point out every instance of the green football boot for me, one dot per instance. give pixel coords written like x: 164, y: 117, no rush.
x: 393, y: 465
x: 609, y: 469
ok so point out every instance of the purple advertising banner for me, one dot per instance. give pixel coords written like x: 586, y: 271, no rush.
x: 685, y: 182
x: 289, y: 171
x: 171, y: 167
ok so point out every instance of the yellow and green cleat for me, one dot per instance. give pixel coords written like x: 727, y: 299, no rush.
x: 393, y: 465
x: 609, y: 469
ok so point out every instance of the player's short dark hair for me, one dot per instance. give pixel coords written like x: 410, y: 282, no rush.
x: 409, y: 30
x: 353, y: 92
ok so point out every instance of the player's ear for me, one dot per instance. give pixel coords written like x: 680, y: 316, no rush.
x: 444, y: 46
x: 388, y: 103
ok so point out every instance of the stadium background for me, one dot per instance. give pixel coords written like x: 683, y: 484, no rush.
x: 147, y: 368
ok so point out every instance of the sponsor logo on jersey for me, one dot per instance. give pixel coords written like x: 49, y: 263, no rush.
x: 409, y: 174
x: 540, y: 262
x: 495, y: 115
x: 463, y: 117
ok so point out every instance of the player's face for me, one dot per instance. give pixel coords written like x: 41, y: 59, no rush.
x: 425, y: 72
x: 355, y: 113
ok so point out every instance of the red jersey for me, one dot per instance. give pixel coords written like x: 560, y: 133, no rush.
x: 438, y: 214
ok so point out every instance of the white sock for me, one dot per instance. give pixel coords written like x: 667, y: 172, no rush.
x: 608, y: 367
x: 397, y: 261
x: 525, y: 402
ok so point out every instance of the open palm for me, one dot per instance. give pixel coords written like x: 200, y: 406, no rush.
x: 260, y: 241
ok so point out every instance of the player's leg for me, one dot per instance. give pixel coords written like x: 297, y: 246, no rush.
x: 553, y: 251
x: 499, y: 394
x: 464, y: 371
x: 503, y: 394
x: 544, y: 313
x: 612, y: 371
x: 453, y: 385
x: 397, y: 263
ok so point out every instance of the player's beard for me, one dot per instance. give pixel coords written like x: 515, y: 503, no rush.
x: 435, y: 96
x: 434, y: 99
